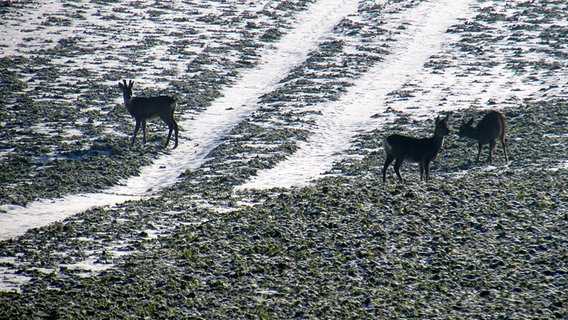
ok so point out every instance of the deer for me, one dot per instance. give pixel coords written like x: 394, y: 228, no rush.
x: 418, y: 150
x: 491, y: 127
x: 144, y: 108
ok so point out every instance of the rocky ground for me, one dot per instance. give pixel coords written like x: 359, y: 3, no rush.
x: 478, y: 241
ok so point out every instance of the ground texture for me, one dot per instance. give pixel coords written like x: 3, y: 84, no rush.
x: 478, y: 241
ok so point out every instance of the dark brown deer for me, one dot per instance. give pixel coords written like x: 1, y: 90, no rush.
x: 491, y: 127
x: 142, y: 109
x: 417, y: 150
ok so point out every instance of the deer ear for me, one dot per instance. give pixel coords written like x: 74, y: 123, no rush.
x: 131, y: 84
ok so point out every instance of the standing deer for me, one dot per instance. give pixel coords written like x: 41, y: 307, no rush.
x: 142, y: 109
x: 418, y: 150
x: 491, y: 127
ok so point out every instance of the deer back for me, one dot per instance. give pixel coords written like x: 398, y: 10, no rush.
x: 150, y: 107
x: 412, y: 149
x: 491, y: 127
x: 418, y: 149
x: 493, y: 124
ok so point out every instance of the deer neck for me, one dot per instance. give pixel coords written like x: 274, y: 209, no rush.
x: 438, y: 141
x: 438, y: 136
x: 127, y: 101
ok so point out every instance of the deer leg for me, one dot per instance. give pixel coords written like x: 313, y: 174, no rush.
x: 427, y: 171
x: 504, y: 148
x: 491, y: 148
x: 135, y: 132
x: 388, y: 161
x: 171, y: 128
x: 479, y: 145
x: 172, y: 125
x: 168, y: 138
x: 421, y: 166
x: 144, y: 131
x: 397, y: 166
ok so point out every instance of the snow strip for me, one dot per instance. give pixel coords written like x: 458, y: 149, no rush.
x: 342, y: 119
x: 206, y: 131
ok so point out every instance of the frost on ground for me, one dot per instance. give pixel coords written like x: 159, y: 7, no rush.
x: 206, y: 129
x: 478, y: 241
x: 61, y: 90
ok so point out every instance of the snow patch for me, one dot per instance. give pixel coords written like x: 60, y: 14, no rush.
x: 341, y: 120
x: 206, y: 131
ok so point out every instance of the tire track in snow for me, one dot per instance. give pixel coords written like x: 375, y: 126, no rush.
x: 206, y: 131
x: 343, y: 119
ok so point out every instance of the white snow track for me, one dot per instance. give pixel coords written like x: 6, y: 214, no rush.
x: 418, y: 34
x: 341, y: 120
x: 239, y: 101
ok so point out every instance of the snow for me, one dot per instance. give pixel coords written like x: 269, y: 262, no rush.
x: 241, y: 99
x: 14, y: 37
x: 423, y: 37
x: 206, y: 131
x: 345, y: 118
x: 18, y: 219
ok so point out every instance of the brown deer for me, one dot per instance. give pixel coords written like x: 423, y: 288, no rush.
x: 491, y: 127
x: 418, y: 150
x: 142, y: 109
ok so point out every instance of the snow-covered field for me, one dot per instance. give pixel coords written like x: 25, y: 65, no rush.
x: 237, y: 102
x: 419, y: 36
x: 273, y: 94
